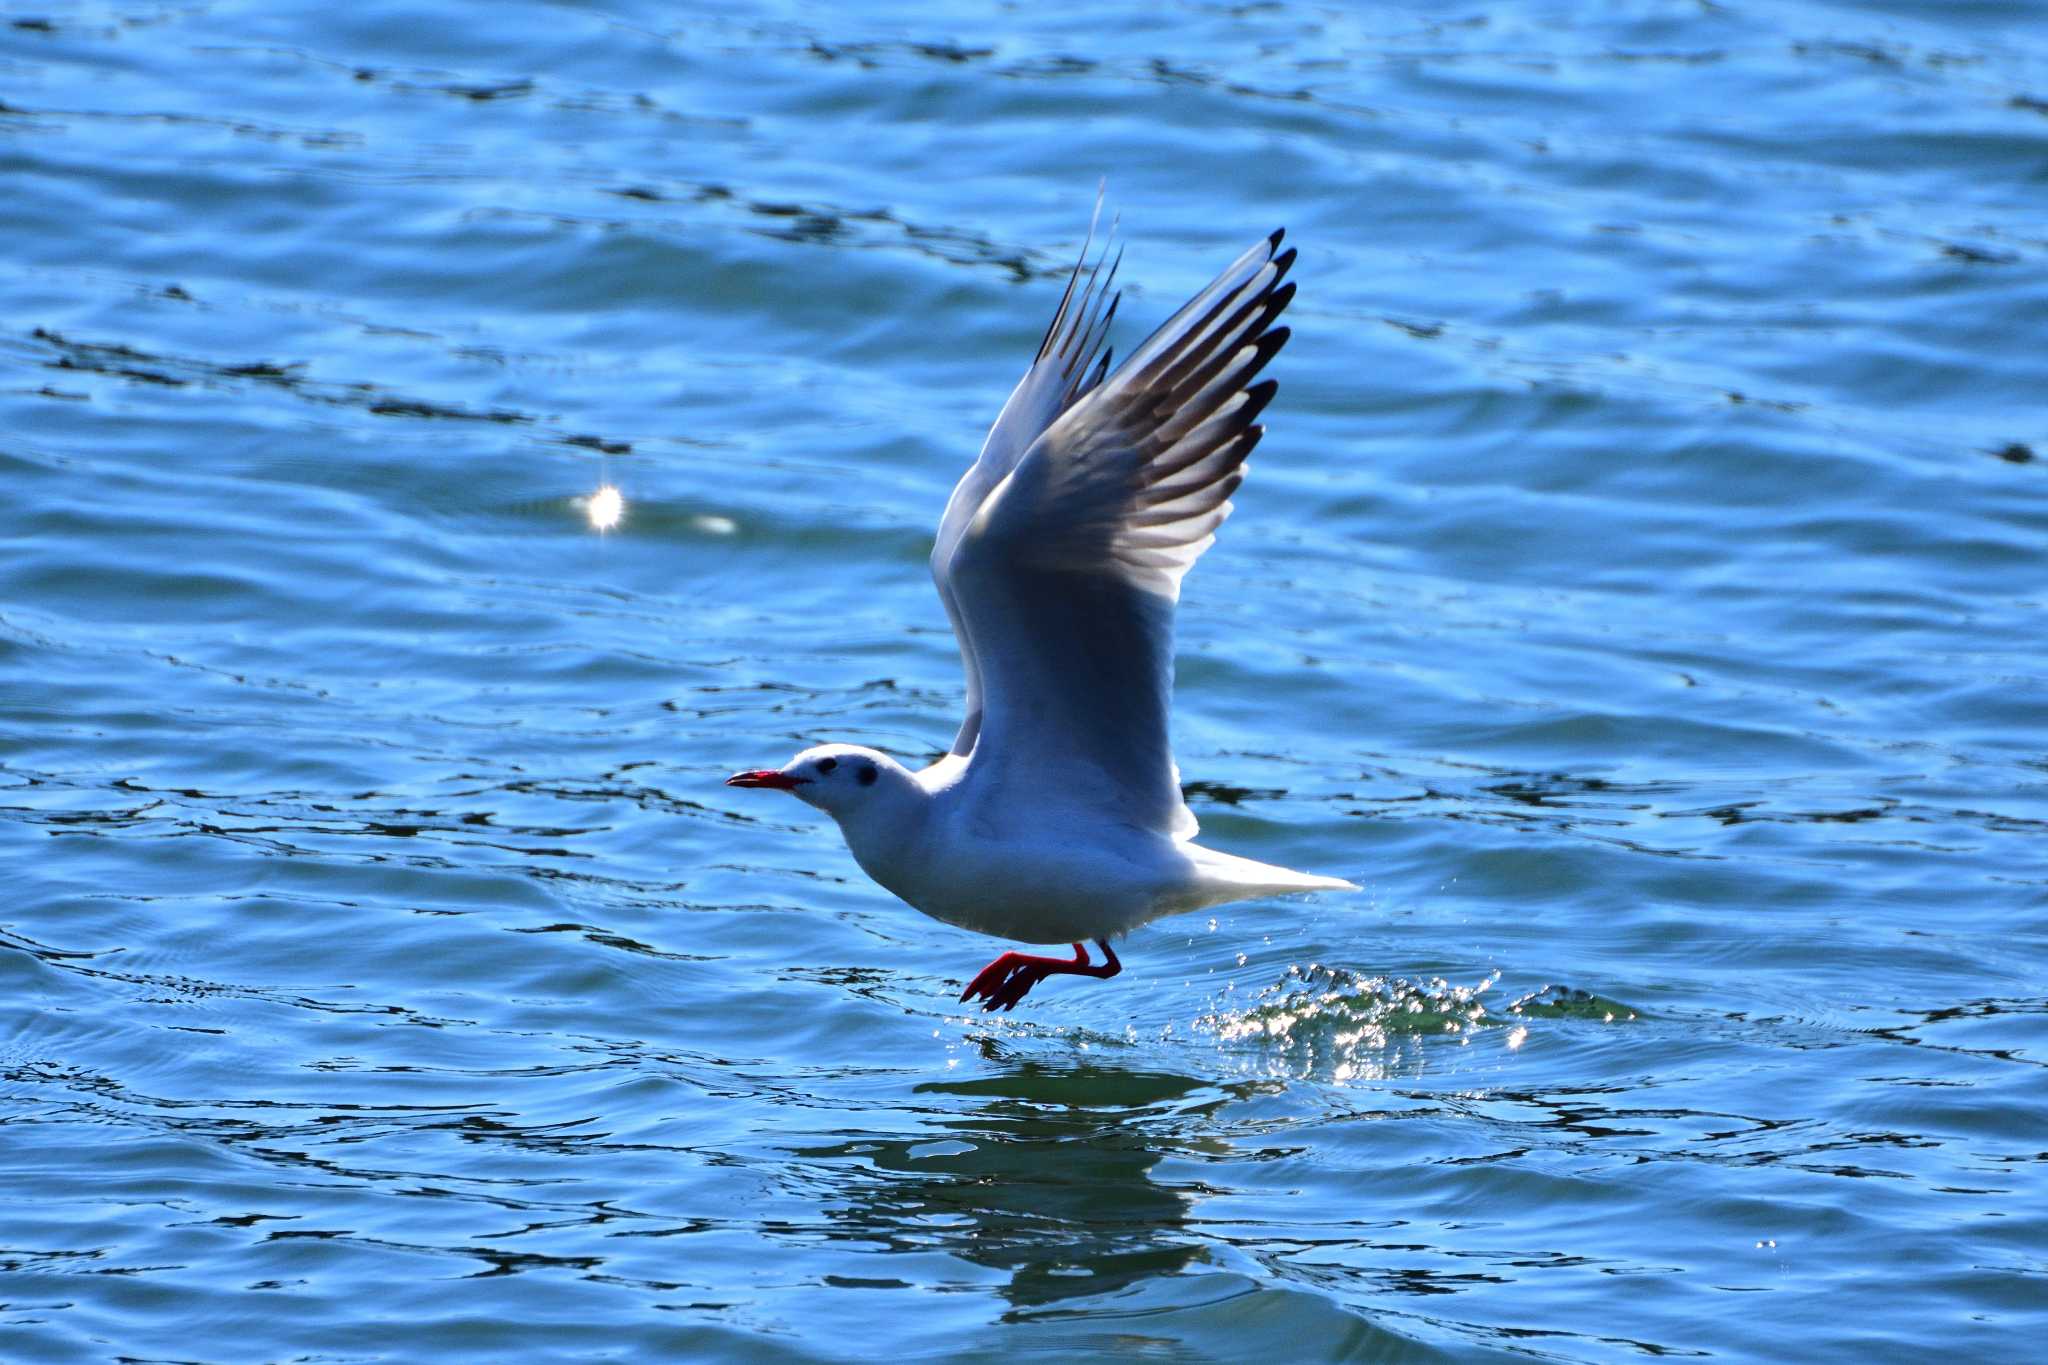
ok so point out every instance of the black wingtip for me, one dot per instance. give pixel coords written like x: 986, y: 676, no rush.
x: 1242, y: 445
x: 1256, y: 397
x: 1274, y: 240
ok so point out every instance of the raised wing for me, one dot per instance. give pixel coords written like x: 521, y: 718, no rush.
x: 1066, y: 367
x: 1065, y: 576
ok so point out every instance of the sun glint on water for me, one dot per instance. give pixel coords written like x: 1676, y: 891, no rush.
x: 605, y: 508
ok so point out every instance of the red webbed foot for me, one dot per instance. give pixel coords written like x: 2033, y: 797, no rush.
x: 1008, y: 979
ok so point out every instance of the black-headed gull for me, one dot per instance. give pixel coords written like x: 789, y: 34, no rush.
x: 1057, y: 816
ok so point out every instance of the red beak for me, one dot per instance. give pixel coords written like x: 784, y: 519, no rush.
x: 763, y: 777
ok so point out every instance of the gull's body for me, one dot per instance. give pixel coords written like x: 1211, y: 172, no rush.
x: 946, y: 841
x: 1057, y: 815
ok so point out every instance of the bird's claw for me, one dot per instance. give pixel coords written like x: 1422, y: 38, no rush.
x: 1004, y: 982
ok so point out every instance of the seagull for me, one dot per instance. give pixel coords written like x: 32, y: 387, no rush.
x: 1057, y: 815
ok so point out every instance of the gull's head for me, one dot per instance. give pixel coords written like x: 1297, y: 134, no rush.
x: 843, y: 780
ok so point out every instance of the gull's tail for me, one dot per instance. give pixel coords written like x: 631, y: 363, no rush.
x: 1239, y: 878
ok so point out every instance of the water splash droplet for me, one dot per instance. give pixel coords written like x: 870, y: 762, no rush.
x: 1325, y: 1022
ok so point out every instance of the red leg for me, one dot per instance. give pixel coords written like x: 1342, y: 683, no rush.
x: 1010, y: 977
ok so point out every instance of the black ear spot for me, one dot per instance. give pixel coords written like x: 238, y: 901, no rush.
x: 868, y: 775
x: 826, y: 765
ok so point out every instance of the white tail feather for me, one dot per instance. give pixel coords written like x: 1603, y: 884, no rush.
x: 1245, y: 877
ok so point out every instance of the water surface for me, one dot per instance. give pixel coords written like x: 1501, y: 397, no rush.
x: 1640, y: 592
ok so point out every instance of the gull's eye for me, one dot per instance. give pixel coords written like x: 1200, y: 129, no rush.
x: 826, y: 765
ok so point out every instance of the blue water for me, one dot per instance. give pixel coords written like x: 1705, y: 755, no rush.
x: 1640, y: 592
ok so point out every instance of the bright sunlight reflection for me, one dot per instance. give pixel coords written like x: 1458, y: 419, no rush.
x: 605, y: 508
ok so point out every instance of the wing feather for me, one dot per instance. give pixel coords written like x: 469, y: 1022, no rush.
x: 1064, y: 575
x: 1058, y: 376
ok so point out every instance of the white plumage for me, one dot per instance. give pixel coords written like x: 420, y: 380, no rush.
x: 1057, y: 815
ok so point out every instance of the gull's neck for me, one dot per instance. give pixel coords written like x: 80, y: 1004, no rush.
x: 885, y: 830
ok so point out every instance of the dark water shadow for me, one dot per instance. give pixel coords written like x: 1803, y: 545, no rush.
x: 1045, y: 1173
x: 1048, y: 1174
